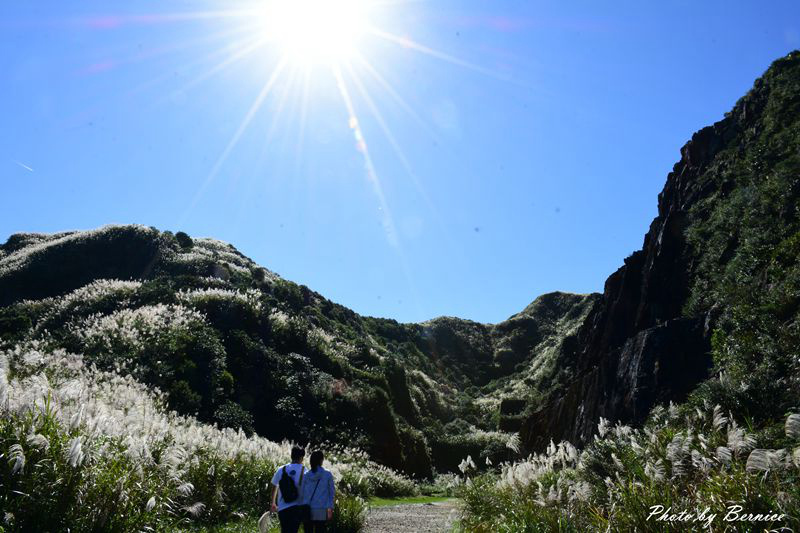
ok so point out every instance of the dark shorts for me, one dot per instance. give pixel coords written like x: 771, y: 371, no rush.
x: 315, y: 526
x: 290, y: 519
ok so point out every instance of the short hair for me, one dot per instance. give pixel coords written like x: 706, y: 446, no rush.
x: 298, y: 453
x: 316, y: 459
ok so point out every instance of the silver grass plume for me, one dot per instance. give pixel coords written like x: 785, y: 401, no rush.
x: 793, y: 426
x: 513, y: 443
x: 724, y: 455
x: 738, y: 440
x: 673, y: 410
x: 602, y: 427
x: 76, y: 419
x: 701, y: 462
x: 718, y: 419
x: 16, y: 458
x: 758, y: 460
x: 678, y: 448
x: 37, y: 440
x: 151, y: 504
x: 466, y: 464
x: 655, y: 471
x: 196, y: 509
x: 700, y: 415
x: 763, y: 460
x: 75, y: 453
x: 185, y: 489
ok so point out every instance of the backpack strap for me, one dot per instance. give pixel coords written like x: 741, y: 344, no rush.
x: 315, y: 490
x: 300, y: 483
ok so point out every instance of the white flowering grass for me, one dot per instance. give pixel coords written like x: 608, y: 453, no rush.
x: 82, y: 301
x: 250, y: 298
x: 122, y: 336
x: 687, y: 461
x: 98, y: 451
x: 206, y: 252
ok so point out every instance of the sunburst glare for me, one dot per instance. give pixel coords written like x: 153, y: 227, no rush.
x: 302, y: 43
x: 314, y: 31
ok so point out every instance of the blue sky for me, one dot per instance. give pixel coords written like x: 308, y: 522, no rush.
x: 527, y: 140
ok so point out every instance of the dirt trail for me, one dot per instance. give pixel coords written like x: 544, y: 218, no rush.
x: 413, y: 518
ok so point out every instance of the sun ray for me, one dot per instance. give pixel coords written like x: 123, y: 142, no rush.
x: 237, y: 47
x: 115, y: 21
x: 98, y: 104
x: 372, y: 176
x: 388, y: 133
x: 395, y: 95
x: 166, y: 48
x: 247, y: 190
x: 413, y: 45
x: 239, y: 132
x: 376, y: 113
x: 281, y: 104
x: 303, y: 116
x: 238, y: 55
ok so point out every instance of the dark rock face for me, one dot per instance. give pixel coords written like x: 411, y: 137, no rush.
x: 656, y: 365
x: 635, y: 349
x: 639, y: 346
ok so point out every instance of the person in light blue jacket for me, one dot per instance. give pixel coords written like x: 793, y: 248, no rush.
x: 318, y: 494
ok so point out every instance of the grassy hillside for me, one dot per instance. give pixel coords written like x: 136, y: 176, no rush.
x: 88, y: 450
x: 233, y: 344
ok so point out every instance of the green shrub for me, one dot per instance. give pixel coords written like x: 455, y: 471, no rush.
x: 349, y: 515
x: 231, y: 415
x: 184, y: 240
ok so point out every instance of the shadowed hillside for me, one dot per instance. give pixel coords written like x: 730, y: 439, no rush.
x: 237, y: 345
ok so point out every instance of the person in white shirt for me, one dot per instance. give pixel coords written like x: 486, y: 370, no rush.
x: 288, y: 508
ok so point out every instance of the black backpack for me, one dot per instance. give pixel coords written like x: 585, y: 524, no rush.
x: 289, y: 491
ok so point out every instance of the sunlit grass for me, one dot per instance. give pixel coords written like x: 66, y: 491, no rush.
x: 383, y: 502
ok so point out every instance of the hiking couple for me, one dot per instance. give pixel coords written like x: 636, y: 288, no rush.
x: 303, y: 496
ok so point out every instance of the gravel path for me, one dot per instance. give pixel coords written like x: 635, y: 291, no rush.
x: 413, y: 518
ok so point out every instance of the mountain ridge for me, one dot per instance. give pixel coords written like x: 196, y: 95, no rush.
x: 396, y: 385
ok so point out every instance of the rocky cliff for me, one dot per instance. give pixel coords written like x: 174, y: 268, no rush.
x: 648, y: 340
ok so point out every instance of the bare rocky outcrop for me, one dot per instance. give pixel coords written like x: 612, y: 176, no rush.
x: 642, y: 345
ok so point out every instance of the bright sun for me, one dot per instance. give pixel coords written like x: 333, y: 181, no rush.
x: 315, y: 31
x: 331, y: 34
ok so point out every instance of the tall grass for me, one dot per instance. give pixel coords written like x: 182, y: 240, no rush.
x: 87, y: 450
x: 683, y: 459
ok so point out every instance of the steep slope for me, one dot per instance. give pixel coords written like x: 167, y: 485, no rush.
x: 239, y: 346
x: 720, y: 258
